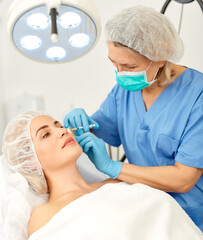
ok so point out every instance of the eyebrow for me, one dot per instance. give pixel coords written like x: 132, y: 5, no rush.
x: 45, y: 126
x: 124, y: 64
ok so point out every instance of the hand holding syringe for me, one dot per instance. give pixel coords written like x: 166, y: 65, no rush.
x: 78, y: 121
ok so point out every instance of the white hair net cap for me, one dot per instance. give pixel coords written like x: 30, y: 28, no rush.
x: 19, y: 152
x: 148, y: 32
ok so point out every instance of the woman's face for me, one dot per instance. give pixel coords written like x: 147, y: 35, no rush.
x: 54, y: 145
x: 128, y: 60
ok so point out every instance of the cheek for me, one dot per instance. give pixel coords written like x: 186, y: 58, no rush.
x: 150, y: 75
x: 46, y: 152
x: 54, y: 157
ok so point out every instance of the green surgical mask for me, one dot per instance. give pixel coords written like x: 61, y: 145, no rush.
x: 134, y: 81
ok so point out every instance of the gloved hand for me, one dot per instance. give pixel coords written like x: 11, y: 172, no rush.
x: 96, y: 150
x: 79, y: 118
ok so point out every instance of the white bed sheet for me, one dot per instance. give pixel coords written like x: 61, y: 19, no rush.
x: 141, y: 213
x: 17, y: 200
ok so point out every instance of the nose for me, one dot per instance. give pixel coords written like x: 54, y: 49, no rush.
x: 62, y: 132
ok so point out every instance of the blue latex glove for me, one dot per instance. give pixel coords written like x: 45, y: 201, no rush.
x: 79, y: 118
x: 96, y: 150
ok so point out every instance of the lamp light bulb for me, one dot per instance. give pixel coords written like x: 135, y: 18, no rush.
x: 38, y: 21
x: 70, y: 20
x: 30, y: 42
x: 56, y: 53
x: 79, y: 40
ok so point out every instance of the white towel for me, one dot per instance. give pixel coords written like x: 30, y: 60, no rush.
x: 121, y: 212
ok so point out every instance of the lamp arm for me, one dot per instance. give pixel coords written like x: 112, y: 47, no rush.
x: 54, y: 29
x: 200, y: 2
x: 53, y: 4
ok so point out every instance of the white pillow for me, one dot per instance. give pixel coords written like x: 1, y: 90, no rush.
x: 2, y: 192
x: 17, y: 199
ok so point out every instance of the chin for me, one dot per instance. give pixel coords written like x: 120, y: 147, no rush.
x: 80, y: 150
x: 74, y: 152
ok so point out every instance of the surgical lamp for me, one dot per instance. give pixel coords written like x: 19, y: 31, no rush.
x: 53, y: 31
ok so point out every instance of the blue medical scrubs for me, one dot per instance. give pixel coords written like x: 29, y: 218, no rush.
x: 171, y: 130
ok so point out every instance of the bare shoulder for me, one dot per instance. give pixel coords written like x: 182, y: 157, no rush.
x: 111, y: 180
x: 97, y: 185
x: 43, y: 213
x: 39, y: 217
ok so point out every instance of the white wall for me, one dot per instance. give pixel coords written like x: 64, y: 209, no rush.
x: 86, y: 82
x: 2, y: 115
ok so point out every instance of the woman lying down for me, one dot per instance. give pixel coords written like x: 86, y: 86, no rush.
x: 45, y: 153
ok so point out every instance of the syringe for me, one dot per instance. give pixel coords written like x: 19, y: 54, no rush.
x: 78, y: 128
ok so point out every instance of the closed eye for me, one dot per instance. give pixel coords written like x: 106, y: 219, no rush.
x: 131, y: 66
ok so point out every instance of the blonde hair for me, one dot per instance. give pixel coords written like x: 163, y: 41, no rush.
x: 165, y: 74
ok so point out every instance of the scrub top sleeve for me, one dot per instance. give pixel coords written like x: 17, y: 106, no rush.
x: 106, y: 116
x: 190, y: 151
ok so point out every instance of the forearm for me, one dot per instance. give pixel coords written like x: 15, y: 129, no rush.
x: 166, y: 178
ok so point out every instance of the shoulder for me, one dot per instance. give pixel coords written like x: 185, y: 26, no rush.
x: 98, y: 185
x: 196, y: 85
x: 190, y: 86
x: 39, y: 217
x: 195, y: 73
x: 195, y: 78
x: 110, y: 180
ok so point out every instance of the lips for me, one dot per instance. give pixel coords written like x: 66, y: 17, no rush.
x: 68, y: 142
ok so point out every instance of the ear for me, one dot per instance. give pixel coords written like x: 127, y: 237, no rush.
x: 160, y: 64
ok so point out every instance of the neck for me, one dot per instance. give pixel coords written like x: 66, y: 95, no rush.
x: 65, y: 180
x: 155, y: 90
